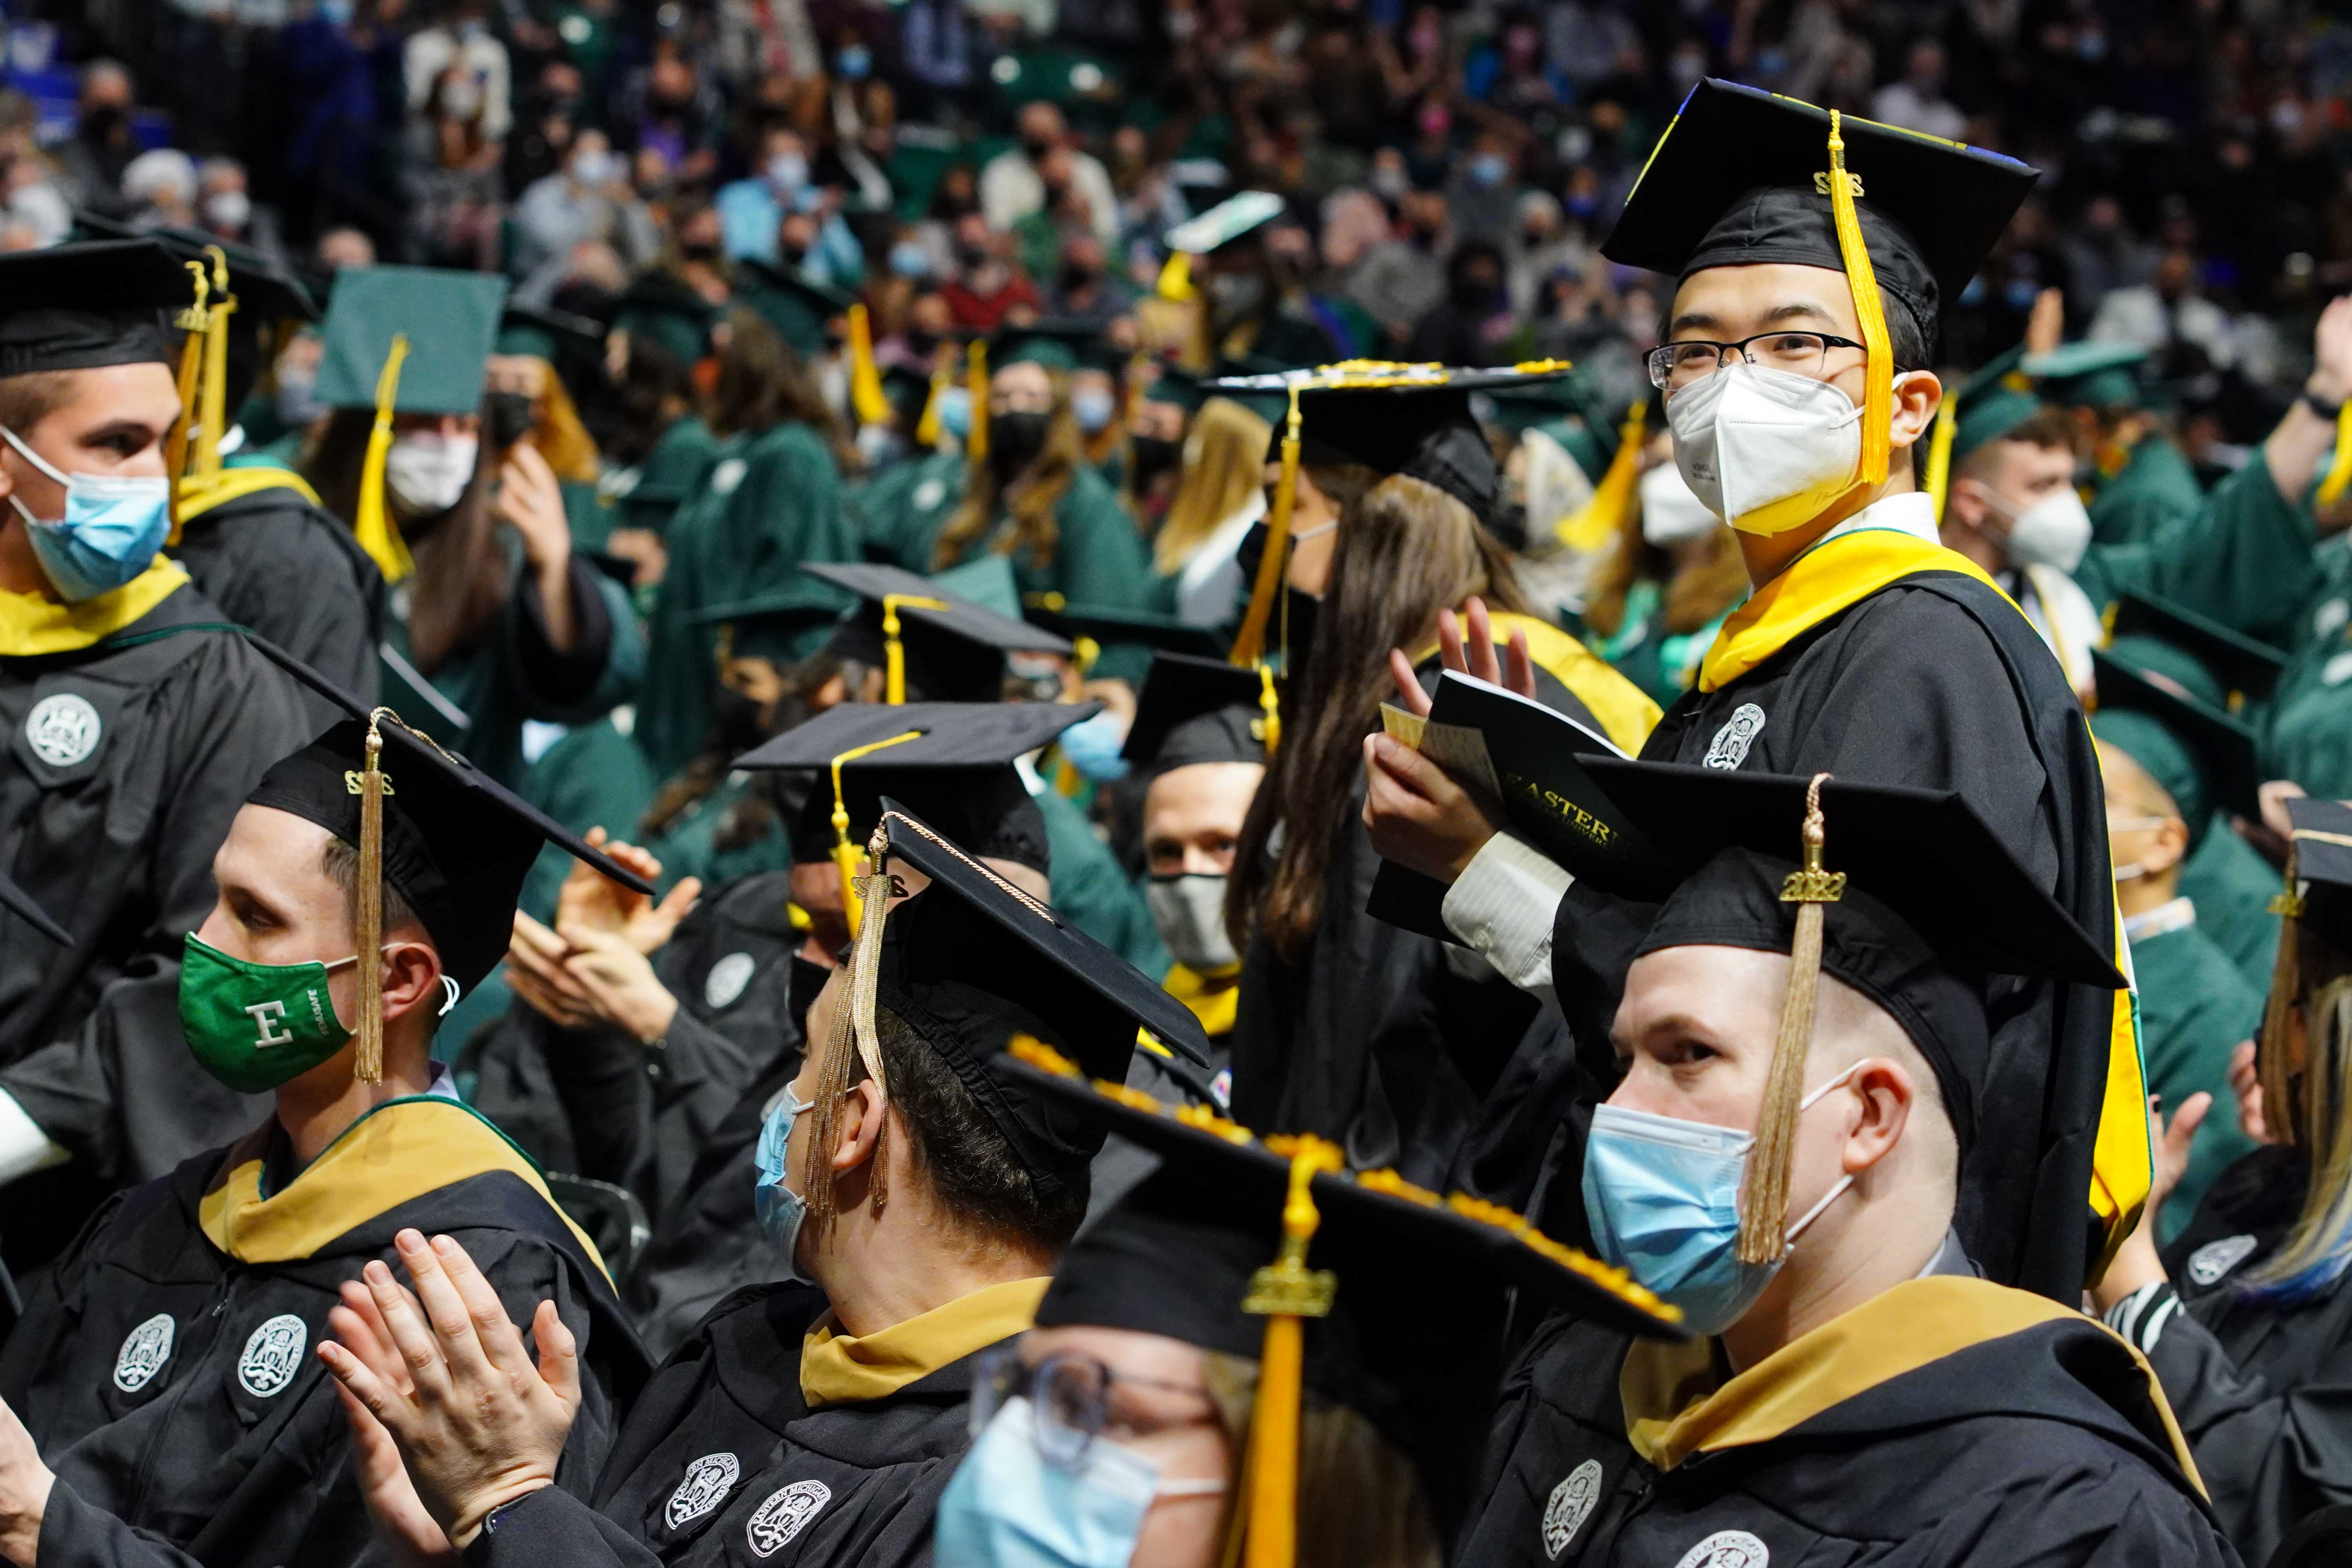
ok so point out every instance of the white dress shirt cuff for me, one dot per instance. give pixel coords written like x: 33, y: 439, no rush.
x: 1503, y: 905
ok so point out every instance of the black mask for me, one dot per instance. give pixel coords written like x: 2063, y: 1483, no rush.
x: 1152, y: 456
x: 106, y: 123
x: 506, y: 417
x: 741, y: 721
x: 1510, y: 524
x: 1473, y: 294
x: 1014, y: 440
x: 698, y: 250
x: 1036, y: 147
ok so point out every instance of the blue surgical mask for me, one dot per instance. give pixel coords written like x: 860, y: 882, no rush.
x: 110, y: 532
x: 1010, y: 1507
x: 1093, y: 406
x: 854, y: 64
x: 955, y: 411
x: 1489, y: 169
x: 788, y: 171
x: 909, y: 260
x: 1663, y: 1198
x: 1093, y: 748
x: 780, y: 1209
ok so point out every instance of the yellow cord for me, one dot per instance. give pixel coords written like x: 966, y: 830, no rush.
x: 373, y: 526
x: 2339, y: 471
x: 191, y: 322
x: 1878, y: 366
x: 844, y: 853
x: 1596, y: 523
x: 213, y: 400
x: 1270, y: 706
x: 1939, y: 482
x: 1249, y: 647
x: 975, y: 445
x: 894, y: 653
x: 864, y: 380
x: 1286, y: 1293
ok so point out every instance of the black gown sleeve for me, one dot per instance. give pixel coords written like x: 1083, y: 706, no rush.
x: 76, y: 1534
x: 553, y: 1528
x: 551, y: 678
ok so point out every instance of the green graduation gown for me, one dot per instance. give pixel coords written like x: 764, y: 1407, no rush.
x: 2233, y: 886
x: 2194, y: 1010
x: 2156, y: 487
x: 649, y: 495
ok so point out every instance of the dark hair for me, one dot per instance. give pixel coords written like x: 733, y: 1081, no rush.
x: 340, y: 863
x: 1905, y: 342
x: 762, y: 384
x: 333, y: 456
x: 25, y: 400
x: 971, y: 1167
x: 653, y: 385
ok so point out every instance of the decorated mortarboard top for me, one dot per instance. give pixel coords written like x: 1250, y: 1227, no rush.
x: 446, y: 320
x: 665, y: 310
x: 2197, y: 753
x: 87, y: 306
x: 2085, y: 374
x: 1105, y: 626
x: 1197, y: 710
x: 799, y: 309
x: 545, y: 332
x: 1226, y: 221
x: 18, y: 902
x: 952, y: 650
x: 2248, y: 670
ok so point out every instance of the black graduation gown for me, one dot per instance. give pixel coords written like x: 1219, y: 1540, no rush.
x: 274, y: 561
x: 1935, y: 681
x: 2261, y: 1391
x: 2024, y: 1442
x: 722, y: 1461
x: 174, y: 1388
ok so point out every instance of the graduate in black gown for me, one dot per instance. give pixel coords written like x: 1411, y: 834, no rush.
x: 2245, y: 1316
x: 925, y: 1192
x: 136, y: 718
x: 1795, y: 385
x: 171, y: 1410
x: 1806, y: 1046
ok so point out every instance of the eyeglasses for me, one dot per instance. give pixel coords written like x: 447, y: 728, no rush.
x: 1674, y: 366
x: 1071, y: 1395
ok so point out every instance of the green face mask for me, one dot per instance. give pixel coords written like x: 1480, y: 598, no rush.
x: 256, y: 1026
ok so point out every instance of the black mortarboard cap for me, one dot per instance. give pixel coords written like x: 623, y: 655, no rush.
x: 1413, y: 1340
x: 1740, y: 178
x: 952, y: 654
x: 20, y: 903
x: 2199, y: 754
x: 266, y: 292
x: 2247, y: 671
x: 87, y: 306
x: 799, y: 309
x: 456, y: 845
x: 1197, y: 710
x: 664, y: 308
x: 2323, y: 865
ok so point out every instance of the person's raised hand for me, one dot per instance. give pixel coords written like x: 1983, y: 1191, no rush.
x: 409, y: 1535
x: 2246, y: 1083
x: 620, y: 982
x: 479, y: 1424
x: 2045, y: 324
x: 1418, y: 815
x: 24, y: 1483
x: 591, y: 900
x: 535, y: 973
x: 2331, y: 352
x: 1471, y: 649
x: 531, y: 501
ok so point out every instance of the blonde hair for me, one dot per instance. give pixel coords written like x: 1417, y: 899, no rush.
x: 1032, y: 497
x: 2312, y: 1110
x: 559, y: 435
x: 1224, y: 461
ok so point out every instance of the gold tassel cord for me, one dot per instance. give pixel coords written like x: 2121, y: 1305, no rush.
x: 1878, y: 366
x: 371, y: 524
x: 1286, y: 1293
x: 2339, y: 467
x: 191, y: 322
x: 213, y: 401
x: 926, y: 428
x: 2274, y: 1065
x: 1269, y: 707
x: 864, y: 380
x: 894, y: 652
x: 975, y: 371
x: 371, y: 784
x: 1764, y: 1196
x: 1939, y: 482
x: 1249, y: 646
x: 844, y: 853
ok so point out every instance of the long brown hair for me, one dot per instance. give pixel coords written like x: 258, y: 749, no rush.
x: 1225, y: 460
x: 762, y: 384
x: 1032, y: 496
x: 1406, y: 550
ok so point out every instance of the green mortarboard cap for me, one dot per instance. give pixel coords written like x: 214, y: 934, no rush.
x: 1991, y: 403
x: 986, y: 580
x: 2323, y: 863
x: 2205, y: 759
x: 2171, y: 667
x: 1740, y: 178
x: 545, y: 334
x: 84, y: 307
x: 669, y: 311
x: 1194, y: 710
x: 449, y: 318
x: 798, y: 309
x: 1226, y: 221
x: 1059, y: 345
x: 2088, y: 374
x: 2243, y: 670
x: 777, y: 626
x: 1178, y: 388
x: 1107, y: 625
x: 1581, y: 440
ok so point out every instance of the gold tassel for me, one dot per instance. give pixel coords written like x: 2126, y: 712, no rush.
x: 1249, y: 647
x: 1878, y: 366
x: 926, y: 428
x: 894, y: 653
x: 371, y: 785
x: 373, y: 526
x: 865, y: 381
x: 1596, y: 523
x: 214, y: 399
x: 191, y: 322
x: 1286, y: 1293
x: 853, y: 1041
x: 1764, y: 1196
x: 976, y: 376
x: 1175, y: 283
x: 1940, y: 454
x: 844, y: 853
x: 2273, y: 1063
x: 1269, y: 707
x: 2339, y: 467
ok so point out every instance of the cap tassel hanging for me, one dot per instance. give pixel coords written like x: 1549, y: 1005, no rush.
x: 1596, y: 523
x: 853, y: 1041
x: 865, y: 381
x: 1878, y: 355
x: 1939, y: 482
x: 373, y: 526
x: 212, y: 421
x: 371, y: 784
x: 976, y: 373
x: 1269, y: 707
x: 926, y: 428
x: 2274, y: 1056
x: 844, y: 853
x: 2339, y: 467
x: 1249, y: 647
x: 894, y: 652
x: 1286, y: 1293
x: 191, y: 322
x: 1764, y: 1196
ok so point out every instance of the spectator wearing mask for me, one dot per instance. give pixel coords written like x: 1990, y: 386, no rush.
x: 1468, y: 325
x: 31, y: 204
x: 451, y: 176
x: 756, y: 211
x: 101, y: 149
x: 672, y: 110
x: 1012, y: 187
x: 986, y: 288
x: 590, y: 199
x: 1482, y: 190
x: 160, y: 187
x: 1915, y: 100
x: 1399, y: 283
x: 1542, y: 246
x: 223, y: 200
x: 1249, y: 266
x: 459, y: 39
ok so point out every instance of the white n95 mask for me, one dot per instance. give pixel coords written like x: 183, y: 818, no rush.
x: 1672, y: 512
x: 2052, y: 532
x: 1766, y: 451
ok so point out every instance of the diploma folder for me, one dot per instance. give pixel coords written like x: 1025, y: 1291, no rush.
x: 1533, y: 759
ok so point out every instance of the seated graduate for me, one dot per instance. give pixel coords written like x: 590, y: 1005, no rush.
x: 2245, y: 1317
x: 921, y: 1197
x: 1806, y: 1062
x: 1230, y: 1365
x: 170, y: 1413
x: 2165, y: 758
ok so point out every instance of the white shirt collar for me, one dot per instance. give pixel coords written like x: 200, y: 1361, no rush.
x: 1912, y: 512
x: 2173, y: 914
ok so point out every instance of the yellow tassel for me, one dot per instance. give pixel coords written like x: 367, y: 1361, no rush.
x: 1286, y: 1293
x: 191, y: 322
x: 2340, y: 468
x: 2273, y: 1057
x: 1878, y: 366
x: 1938, y: 483
x: 1269, y: 707
x: 376, y: 533
x: 894, y: 653
x: 1596, y: 523
x: 844, y: 853
x: 1249, y: 647
x: 926, y: 428
x: 214, y: 399
x: 975, y: 445
x: 1764, y: 1196
x: 371, y: 784
x: 865, y: 381
x: 1176, y: 277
